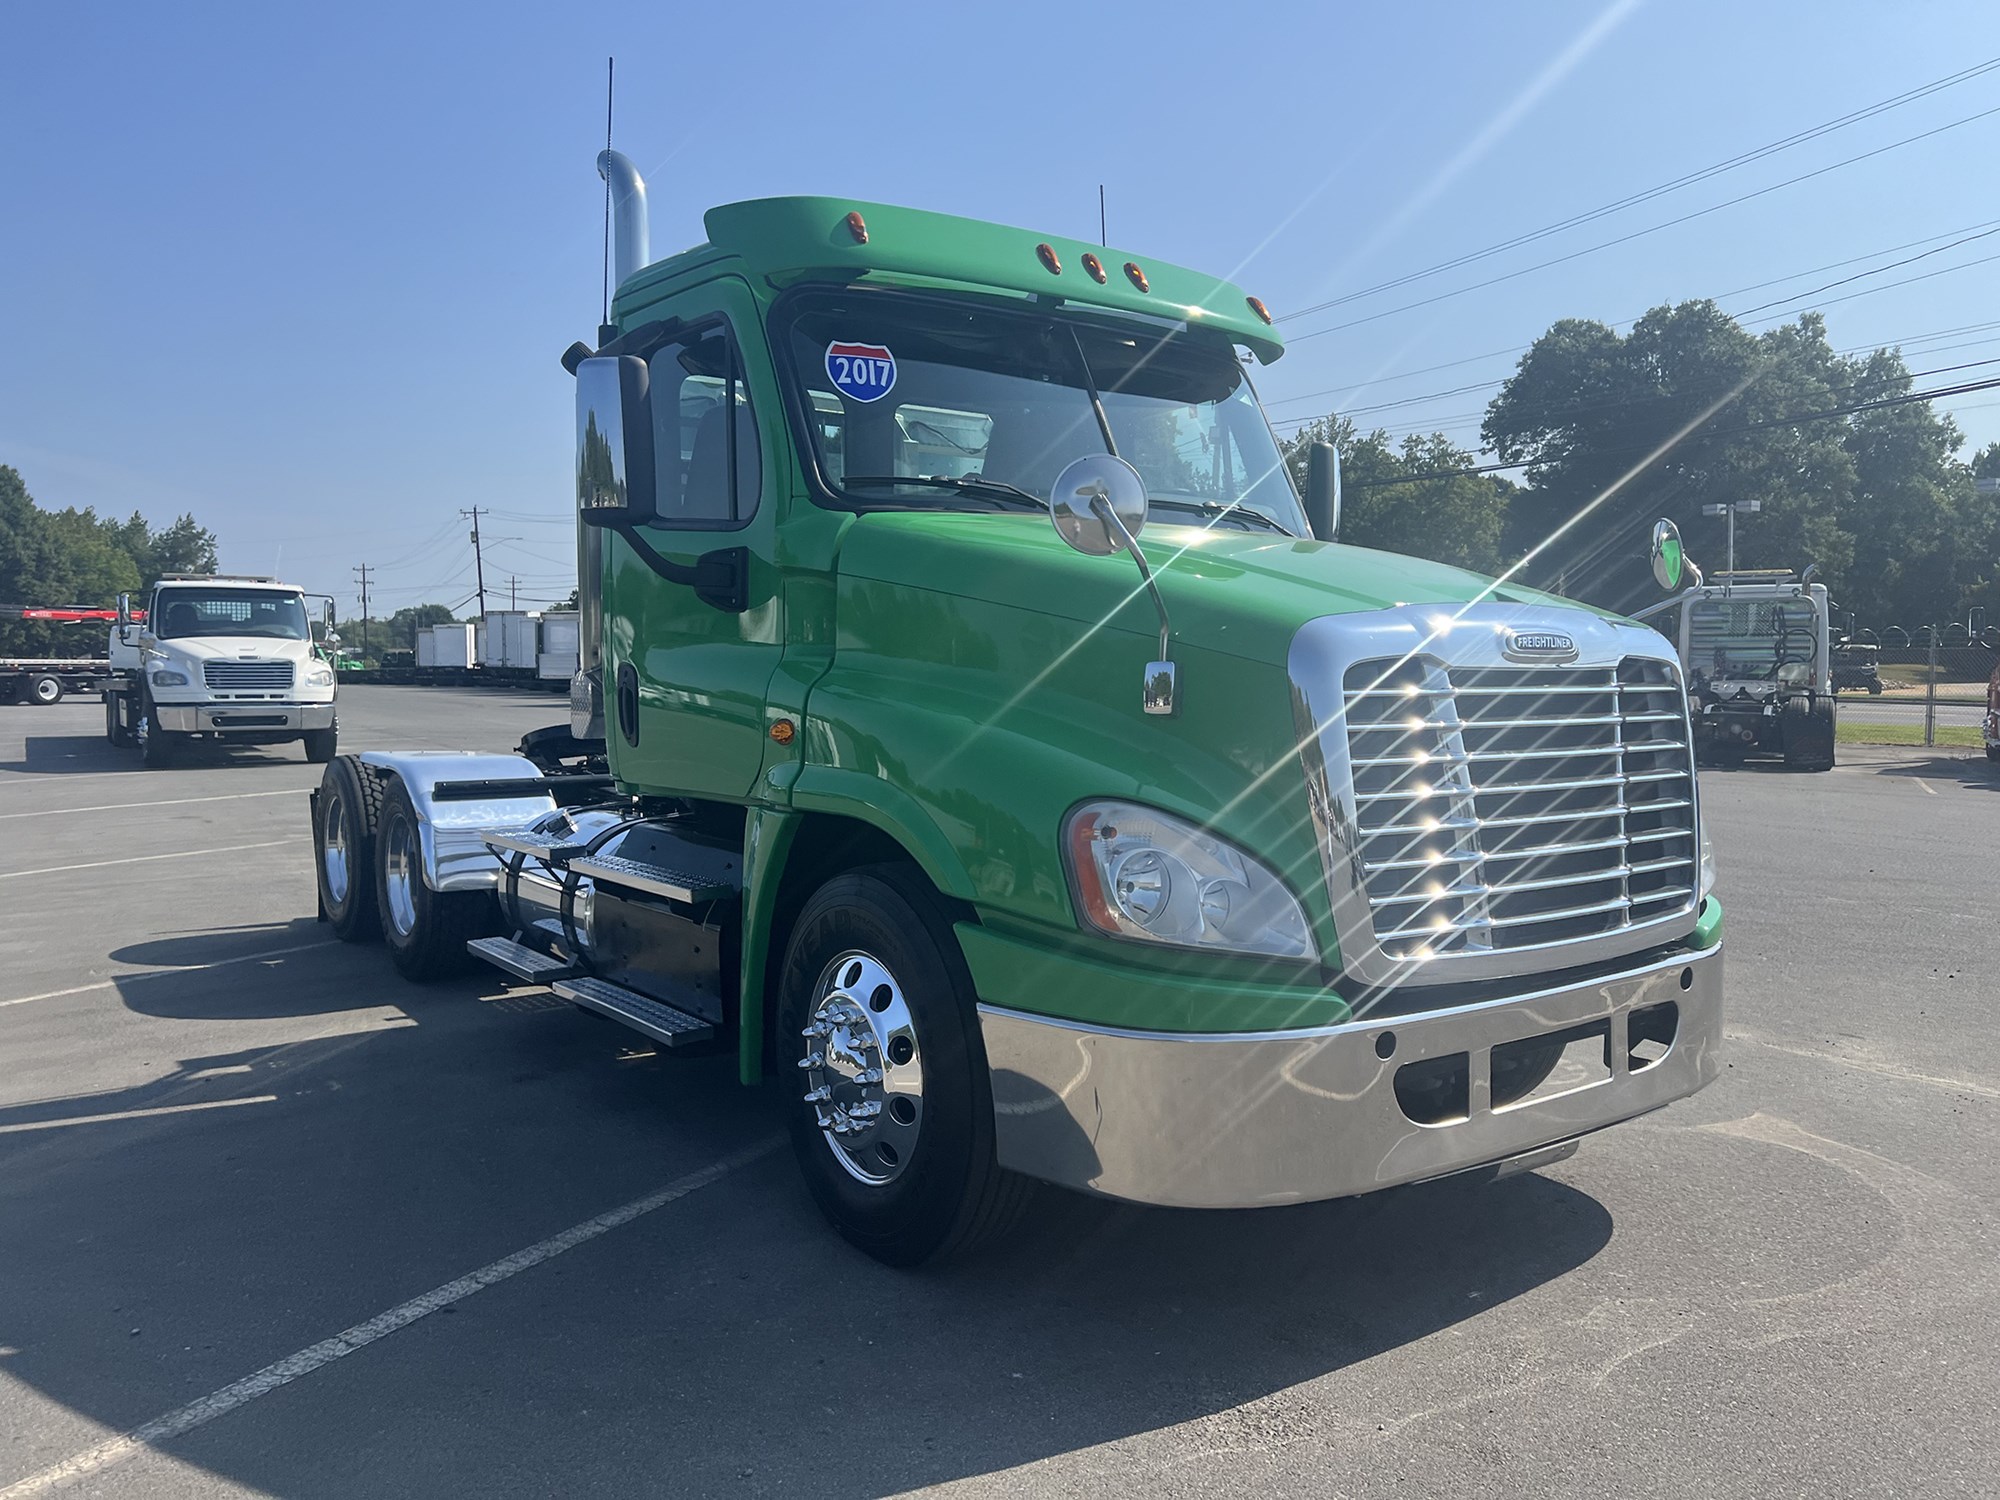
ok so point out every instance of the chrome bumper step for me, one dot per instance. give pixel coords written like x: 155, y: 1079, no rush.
x: 529, y: 965
x: 665, y: 1024
x: 654, y: 880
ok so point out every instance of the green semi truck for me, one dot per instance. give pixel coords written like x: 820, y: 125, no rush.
x: 978, y: 733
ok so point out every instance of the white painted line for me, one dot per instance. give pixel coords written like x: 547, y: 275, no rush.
x: 239, y: 1393
x: 1924, y: 784
x: 140, y: 859
x: 136, y: 1114
x: 143, y: 974
x: 56, y: 812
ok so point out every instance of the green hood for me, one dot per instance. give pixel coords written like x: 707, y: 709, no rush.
x: 1242, y: 593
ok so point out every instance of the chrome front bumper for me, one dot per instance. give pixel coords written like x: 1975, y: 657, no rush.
x: 248, y: 717
x: 1243, y: 1120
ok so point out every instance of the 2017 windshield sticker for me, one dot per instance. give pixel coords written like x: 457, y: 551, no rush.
x: 861, y: 372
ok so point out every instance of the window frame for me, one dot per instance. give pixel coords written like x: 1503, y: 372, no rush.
x: 693, y: 331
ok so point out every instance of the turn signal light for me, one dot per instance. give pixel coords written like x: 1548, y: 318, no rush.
x: 1048, y: 254
x: 783, y: 731
x: 1257, y: 306
x: 1136, y: 276
x: 1095, y: 267
x: 857, y: 227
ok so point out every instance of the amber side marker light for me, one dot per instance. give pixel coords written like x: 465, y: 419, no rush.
x: 783, y: 731
x: 1095, y: 267
x: 1257, y: 306
x: 1137, y: 276
x: 857, y: 227
x: 1049, y: 259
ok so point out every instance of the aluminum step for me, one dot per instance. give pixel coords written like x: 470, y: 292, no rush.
x: 654, y: 880
x: 662, y: 1022
x: 542, y: 846
x: 529, y: 965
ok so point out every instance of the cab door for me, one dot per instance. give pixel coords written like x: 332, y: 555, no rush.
x: 685, y: 678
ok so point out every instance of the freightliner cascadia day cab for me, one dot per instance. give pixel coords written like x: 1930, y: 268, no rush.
x: 219, y: 658
x: 1217, y: 866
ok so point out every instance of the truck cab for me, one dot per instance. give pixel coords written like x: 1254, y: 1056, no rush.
x: 229, y: 658
x: 977, y: 730
x: 1757, y: 650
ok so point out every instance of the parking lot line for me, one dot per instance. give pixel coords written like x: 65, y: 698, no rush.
x: 140, y: 859
x: 135, y: 1114
x: 241, y: 1392
x: 143, y: 974
x: 57, y: 812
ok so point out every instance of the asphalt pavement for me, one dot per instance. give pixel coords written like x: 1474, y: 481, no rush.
x: 274, y: 1222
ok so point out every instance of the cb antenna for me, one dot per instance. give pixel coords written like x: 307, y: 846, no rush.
x: 604, y: 332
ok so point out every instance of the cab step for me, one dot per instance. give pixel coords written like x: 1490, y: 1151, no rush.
x: 655, y: 880
x: 547, y: 847
x: 529, y: 965
x: 665, y: 1024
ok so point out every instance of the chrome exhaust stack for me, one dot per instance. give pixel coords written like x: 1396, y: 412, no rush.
x: 630, y: 247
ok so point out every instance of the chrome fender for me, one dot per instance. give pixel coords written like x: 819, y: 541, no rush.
x: 449, y: 831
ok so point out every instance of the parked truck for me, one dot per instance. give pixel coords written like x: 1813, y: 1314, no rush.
x: 1756, y: 647
x: 47, y: 679
x: 220, y: 657
x: 975, y: 731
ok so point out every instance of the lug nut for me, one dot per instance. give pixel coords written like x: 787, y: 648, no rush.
x: 813, y: 1060
x: 819, y: 1095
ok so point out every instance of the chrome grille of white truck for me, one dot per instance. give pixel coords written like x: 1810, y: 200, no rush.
x: 247, y: 676
x: 1503, y: 807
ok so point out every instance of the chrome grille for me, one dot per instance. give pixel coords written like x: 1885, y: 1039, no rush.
x: 1514, y: 807
x: 247, y: 676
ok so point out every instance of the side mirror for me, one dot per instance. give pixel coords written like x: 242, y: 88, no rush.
x: 124, y: 610
x: 1099, y: 505
x: 1323, y: 491
x: 1671, y: 567
x: 614, y: 442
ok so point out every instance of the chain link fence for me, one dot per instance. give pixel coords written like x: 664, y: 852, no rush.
x: 1928, y: 686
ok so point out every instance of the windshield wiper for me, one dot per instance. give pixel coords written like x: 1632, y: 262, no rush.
x: 1215, y: 508
x: 992, y: 489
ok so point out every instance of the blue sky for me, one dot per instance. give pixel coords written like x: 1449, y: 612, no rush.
x: 307, y: 272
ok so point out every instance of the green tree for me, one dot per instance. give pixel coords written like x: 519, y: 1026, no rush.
x: 1458, y: 518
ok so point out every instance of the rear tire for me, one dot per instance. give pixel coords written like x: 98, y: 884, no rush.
x: 46, y: 691
x: 350, y: 807
x: 321, y: 745
x: 875, y: 975
x: 425, y: 930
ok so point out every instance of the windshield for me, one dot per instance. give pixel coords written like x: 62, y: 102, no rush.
x: 950, y: 396
x: 256, y: 612
x: 1750, y: 639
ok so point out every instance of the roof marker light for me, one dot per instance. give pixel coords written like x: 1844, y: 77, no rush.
x: 857, y: 227
x: 1095, y: 267
x: 1257, y: 306
x: 1137, y: 276
x: 1047, y: 252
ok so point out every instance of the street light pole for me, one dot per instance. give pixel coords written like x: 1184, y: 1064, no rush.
x: 1748, y: 507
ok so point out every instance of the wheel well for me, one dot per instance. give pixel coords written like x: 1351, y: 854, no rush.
x: 827, y: 845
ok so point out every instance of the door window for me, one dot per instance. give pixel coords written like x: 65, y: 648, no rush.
x: 705, y: 450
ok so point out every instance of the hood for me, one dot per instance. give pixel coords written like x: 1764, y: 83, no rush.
x: 1243, y: 593
x: 200, y: 648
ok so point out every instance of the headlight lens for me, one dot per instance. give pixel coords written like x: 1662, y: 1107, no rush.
x: 1144, y: 874
x: 1707, y: 872
x: 319, y: 674
x: 168, y: 677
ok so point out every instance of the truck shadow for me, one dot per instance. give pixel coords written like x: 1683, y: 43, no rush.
x: 168, y: 1238
x: 70, y: 755
x: 1972, y: 771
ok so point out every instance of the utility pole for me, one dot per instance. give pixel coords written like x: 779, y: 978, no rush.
x: 513, y: 592
x: 362, y: 573
x: 478, y: 561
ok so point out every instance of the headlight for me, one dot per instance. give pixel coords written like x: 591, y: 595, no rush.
x: 1707, y: 871
x: 1148, y: 875
x: 319, y: 674
x: 167, y: 677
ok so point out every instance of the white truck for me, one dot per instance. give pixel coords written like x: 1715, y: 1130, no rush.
x: 219, y: 657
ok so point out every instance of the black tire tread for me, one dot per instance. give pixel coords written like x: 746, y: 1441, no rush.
x: 365, y: 927
x: 446, y: 920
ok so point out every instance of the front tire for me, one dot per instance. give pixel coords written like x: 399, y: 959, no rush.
x: 321, y: 745
x: 116, y: 732
x: 157, y: 746
x: 350, y: 808
x: 45, y: 691
x: 425, y: 930
x: 892, y: 1111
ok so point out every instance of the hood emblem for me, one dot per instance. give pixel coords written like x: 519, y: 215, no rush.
x: 1537, y: 645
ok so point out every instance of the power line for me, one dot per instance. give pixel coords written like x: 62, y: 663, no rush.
x: 1796, y: 419
x: 1679, y: 182
x: 1640, y: 233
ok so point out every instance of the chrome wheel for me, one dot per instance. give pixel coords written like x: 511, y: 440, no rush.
x: 333, y: 856
x: 864, y: 1069
x: 399, y: 873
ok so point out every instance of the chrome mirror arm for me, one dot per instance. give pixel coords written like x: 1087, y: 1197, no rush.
x: 1158, y: 690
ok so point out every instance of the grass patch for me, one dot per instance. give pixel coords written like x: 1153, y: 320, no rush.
x: 1962, y: 736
